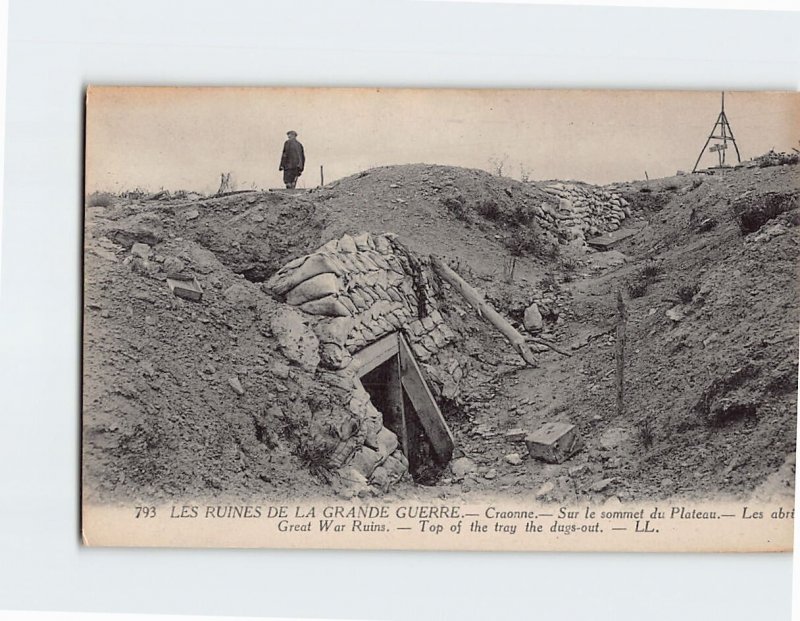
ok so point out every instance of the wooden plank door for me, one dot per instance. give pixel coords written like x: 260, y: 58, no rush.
x: 430, y: 417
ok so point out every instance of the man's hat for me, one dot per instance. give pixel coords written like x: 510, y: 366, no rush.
x: 291, y: 132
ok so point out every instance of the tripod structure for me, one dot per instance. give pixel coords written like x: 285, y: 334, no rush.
x: 725, y: 135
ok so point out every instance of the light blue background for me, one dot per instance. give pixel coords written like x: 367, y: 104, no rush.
x: 56, y: 48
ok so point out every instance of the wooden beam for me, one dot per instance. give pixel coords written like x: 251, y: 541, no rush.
x: 620, y: 353
x: 485, y: 310
x: 375, y: 354
x: 425, y: 407
x: 395, y: 419
x: 558, y: 350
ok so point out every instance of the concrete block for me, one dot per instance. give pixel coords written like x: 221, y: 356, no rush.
x: 187, y: 289
x: 554, y: 442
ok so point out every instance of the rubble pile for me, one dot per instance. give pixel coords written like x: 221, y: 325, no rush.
x: 773, y: 158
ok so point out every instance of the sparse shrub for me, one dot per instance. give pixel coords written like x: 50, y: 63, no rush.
x: 496, y: 164
x: 521, y: 215
x: 530, y: 241
x: 518, y: 243
x: 644, y: 430
x: 568, y: 263
x: 752, y: 212
x: 650, y: 271
x: 313, y: 452
x: 638, y: 284
x: 687, y: 292
x: 456, y: 205
x: 637, y: 288
x: 314, y: 457
x: 647, y: 200
x: 714, y: 404
x: 548, y: 250
x: 100, y: 199
x: 489, y: 209
x: 549, y: 282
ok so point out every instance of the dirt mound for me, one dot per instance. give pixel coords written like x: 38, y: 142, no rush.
x: 182, y: 398
x: 185, y: 398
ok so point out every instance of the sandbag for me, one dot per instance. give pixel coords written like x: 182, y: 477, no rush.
x: 334, y: 357
x: 313, y: 289
x: 329, y: 306
x: 362, y: 242
x: 387, y: 442
x: 314, y: 265
x: 346, y: 244
x: 334, y: 330
x: 365, y: 460
x: 331, y: 246
x: 382, y: 244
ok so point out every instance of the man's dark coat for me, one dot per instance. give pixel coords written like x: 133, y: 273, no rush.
x: 293, y: 156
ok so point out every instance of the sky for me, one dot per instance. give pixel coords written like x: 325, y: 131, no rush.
x: 183, y: 138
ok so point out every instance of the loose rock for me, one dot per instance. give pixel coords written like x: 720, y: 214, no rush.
x: 140, y: 250
x: 462, y: 467
x: 236, y: 385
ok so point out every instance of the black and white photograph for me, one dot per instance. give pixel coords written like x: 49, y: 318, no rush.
x: 440, y: 318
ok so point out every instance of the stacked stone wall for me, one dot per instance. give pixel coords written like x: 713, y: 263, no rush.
x: 584, y: 211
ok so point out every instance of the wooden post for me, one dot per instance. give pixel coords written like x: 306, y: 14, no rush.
x: 485, y: 310
x: 620, y: 352
x: 321, y: 176
x: 397, y: 416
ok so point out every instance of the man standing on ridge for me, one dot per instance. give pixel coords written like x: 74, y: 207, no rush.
x: 293, y: 160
